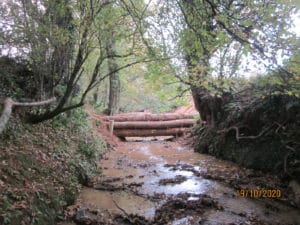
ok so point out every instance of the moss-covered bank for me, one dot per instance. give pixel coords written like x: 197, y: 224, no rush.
x: 42, y: 167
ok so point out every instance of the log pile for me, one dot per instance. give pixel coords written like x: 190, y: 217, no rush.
x: 147, y: 124
x: 149, y: 117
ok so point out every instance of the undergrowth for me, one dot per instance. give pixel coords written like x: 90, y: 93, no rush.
x: 43, y: 166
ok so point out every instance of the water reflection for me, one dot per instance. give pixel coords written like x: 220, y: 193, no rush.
x: 149, y: 162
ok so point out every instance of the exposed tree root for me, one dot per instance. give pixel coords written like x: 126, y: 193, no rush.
x: 237, y: 132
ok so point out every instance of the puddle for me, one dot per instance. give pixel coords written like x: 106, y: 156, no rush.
x: 186, y: 221
x: 193, y: 184
x: 113, y: 201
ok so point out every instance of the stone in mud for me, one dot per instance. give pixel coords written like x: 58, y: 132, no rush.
x: 88, y: 217
x: 295, y: 190
x: 108, y: 187
x: 176, y: 180
x: 80, y: 216
x: 131, y: 219
x: 178, y: 207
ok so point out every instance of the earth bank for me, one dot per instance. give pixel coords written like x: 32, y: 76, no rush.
x: 42, y: 168
x: 263, y: 135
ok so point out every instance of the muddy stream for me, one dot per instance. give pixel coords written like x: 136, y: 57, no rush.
x: 160, y: 182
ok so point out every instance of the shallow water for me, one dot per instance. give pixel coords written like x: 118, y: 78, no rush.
x: 144, y: 164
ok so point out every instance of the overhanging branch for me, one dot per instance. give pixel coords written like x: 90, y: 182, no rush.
x: 9, y: 104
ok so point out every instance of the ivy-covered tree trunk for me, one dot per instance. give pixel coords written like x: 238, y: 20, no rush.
x: 210, y: 107
x: 114, y: 94
x: 114, y: 79
x: 199, y: 45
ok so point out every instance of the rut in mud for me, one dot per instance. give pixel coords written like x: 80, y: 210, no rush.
x: 167, y: 183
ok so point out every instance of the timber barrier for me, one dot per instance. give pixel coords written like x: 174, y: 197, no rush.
x: 148, y: 124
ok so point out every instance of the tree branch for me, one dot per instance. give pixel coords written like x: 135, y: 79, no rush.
x: 40, y: 103
x: 180, y: 94
x: 9, y: 104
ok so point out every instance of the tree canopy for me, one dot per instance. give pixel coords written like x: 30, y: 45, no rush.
x: 72, y: 47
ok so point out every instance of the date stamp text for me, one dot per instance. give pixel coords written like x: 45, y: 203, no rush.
x: 260, y: 193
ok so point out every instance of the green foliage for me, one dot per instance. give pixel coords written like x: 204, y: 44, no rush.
x: 16, y: 80
x: 150, y: 88
x: 83, y: 169
x: 8, y: 135
x: 44, y: 28
x: 278, y: 83
x: 76, y: 120
x: 9, y: 198
x: 273, y: 85
x: 214, y: 38
x: 91, y: 149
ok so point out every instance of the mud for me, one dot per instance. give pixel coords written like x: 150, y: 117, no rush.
x: 167, y: 183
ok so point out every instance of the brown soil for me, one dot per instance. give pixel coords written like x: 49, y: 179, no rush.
x: 98, y: 123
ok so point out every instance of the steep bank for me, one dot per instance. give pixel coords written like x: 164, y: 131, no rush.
x: 264, y: 135
x: 42, y: 167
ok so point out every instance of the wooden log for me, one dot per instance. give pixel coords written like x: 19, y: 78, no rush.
x: 149, y: 117
x: 150, y: 132
x: 111, y: 126
x: 154, y: 124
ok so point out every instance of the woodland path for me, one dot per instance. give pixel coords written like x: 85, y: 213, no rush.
x: 160, y: 182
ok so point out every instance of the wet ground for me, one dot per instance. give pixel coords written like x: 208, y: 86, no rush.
x: 159, y: 182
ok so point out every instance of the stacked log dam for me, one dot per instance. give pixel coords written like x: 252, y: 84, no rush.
x: 146, y: 124
x: 151, y: 132
x: 154, y: 124
x: 149, y: 117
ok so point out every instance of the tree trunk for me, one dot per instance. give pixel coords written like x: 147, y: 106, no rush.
x: 199, y: 46
x: 154, y: 124
x: 151, y: 132
x: 207, y: 105
x: 114, y: 94
x: 114, y: 79
x: 96, y: 95
x: 7, y: 109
